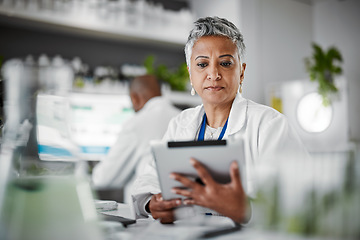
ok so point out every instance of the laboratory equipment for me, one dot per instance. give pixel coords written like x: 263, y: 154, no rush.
x: 92, y: 122
x: 37, y: 204
x: 318, y: 196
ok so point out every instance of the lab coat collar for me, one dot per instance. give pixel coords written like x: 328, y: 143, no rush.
x: 191, y: 122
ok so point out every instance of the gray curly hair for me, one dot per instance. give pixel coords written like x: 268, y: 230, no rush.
x: 214, y: 26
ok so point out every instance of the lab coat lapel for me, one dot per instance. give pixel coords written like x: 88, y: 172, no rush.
x: 237, y: 117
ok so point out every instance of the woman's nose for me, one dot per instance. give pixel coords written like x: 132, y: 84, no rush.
x: 213, y: 74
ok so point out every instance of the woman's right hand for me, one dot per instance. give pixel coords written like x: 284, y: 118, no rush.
x: 163, y: 209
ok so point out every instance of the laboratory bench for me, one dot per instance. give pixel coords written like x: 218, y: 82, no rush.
x: 192, y: 228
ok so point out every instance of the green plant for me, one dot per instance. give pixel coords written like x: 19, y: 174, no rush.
x: 177, y: 79
x: 322, y: 67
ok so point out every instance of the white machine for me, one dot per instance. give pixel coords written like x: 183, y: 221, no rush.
x: 322, y: 129
x: 79, y: 125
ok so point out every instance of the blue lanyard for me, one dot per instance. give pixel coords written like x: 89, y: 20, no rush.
x: 202, y: 129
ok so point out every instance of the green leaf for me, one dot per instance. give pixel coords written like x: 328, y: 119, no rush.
x: 322, y: 67
x: 149, y: 64
x: 333, y: 53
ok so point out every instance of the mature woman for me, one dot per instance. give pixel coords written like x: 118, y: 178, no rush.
x: 214, y: 53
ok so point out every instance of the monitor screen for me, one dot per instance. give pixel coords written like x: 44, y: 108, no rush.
x: 79, y: 126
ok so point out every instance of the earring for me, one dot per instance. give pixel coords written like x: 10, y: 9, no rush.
x: 192, y: 92
x: 240, y: 88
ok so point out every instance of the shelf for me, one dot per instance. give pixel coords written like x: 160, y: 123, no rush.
x: 176, y: 97
x: 91, y: 26
x: 183, y: 98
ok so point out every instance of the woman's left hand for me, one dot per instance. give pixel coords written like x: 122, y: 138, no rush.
x: 227, y: 199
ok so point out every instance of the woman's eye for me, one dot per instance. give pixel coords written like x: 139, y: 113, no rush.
x: 226, y: 64
x: 202, y: 65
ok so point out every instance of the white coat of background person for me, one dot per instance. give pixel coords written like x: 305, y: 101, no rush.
x: 153, y: 113
x: 214, y: 58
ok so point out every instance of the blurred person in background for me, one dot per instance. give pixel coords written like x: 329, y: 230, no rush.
x: 153, y: 113
x: 214, y: 56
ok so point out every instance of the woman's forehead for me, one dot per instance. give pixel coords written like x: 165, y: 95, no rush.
x: 214, y: 45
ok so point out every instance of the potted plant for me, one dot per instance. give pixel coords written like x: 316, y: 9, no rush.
x: 177, y: 79
x: 322, y: 67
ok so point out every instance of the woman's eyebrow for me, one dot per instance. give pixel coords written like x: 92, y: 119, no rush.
x: 226, y: 55
x: 201, y: 57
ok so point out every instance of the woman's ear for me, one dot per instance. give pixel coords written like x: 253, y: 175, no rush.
x: 242, y: 75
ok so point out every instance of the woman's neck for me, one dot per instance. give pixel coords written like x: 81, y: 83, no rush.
x: 217, y: 115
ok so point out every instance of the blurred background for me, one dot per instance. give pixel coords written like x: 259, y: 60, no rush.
x: 91, y: 48
x: 118, y: 35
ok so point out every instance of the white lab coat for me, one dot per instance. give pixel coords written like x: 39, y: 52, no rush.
x: 149, y: 123
x: 267, y: 135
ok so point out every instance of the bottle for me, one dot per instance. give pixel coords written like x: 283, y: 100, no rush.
x: 39, y: 205
x: 62, y: 75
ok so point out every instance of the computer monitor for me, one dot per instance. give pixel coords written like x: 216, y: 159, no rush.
x: 80, y: 125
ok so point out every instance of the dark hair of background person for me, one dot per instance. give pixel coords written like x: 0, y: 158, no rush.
x: 142, y: 89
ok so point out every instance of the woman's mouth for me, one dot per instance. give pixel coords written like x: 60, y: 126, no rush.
x: 214, y: 88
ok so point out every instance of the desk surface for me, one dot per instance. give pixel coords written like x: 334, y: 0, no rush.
x: 190, y: 228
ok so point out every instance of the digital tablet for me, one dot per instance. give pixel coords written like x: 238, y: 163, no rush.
x: 216, y: 156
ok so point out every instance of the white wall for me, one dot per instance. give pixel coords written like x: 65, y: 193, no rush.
x: 278, y: 35
x: 336, y: 23
x: 285, y: 40
x: 228, y: 9
x: 251, y: 29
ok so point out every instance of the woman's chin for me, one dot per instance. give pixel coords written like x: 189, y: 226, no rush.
x: 215, y: 99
